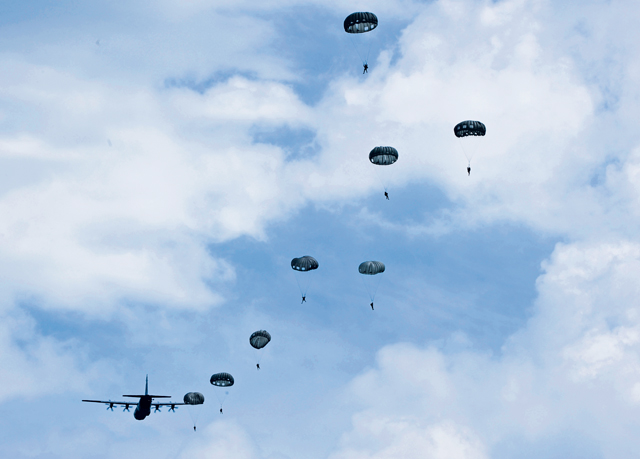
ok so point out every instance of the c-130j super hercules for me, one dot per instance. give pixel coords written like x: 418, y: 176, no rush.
x: 143, y: 406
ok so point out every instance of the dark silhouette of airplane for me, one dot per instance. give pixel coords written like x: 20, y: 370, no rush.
x: 143, y: 407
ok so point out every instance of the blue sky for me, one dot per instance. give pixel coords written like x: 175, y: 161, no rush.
x: 162, y: 163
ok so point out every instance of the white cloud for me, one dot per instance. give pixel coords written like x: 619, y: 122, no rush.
x: 182, y: 171
x: 36, y: 366
x: 242, y: 100
x: 573, y: 368
x: 407, y: 438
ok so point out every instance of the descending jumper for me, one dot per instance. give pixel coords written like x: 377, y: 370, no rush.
x: 359, y: 23
x: 383, y: 156
x: 304, y: 265
x: 469, y: 129
x: 258, y: 340
x: 371, y: 268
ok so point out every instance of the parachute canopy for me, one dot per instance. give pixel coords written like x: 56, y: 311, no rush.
x: 193, y: 398
x: 305, y: 263
x: 260, y: 339
x: 222, y: 380
x: 360, y: 22
x: 467, y: 128
x: 371, y: 267
x: 383, y: 156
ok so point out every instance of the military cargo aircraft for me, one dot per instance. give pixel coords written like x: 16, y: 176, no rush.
x: 143, y: 406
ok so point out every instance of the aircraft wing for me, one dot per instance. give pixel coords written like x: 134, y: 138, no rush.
x: 112, y: 403
x: 171, y: 405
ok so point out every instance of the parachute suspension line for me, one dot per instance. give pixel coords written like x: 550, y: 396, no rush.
x: 473, y: 148
x: 197, y: 416
x: 375, y: 169
x: 464, y: 152
x: 194, y: 418
x: 369, y: 49
x: 221, y: 400
x: 376, y: 285
x: 299, y: 286
x: 374, y: 288
x: 367, y: 289
x: 357, y: 50
x: 304, y: 287
x: 258, y: 353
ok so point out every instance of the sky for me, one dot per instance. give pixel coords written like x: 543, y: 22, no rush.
x: 161, y: 163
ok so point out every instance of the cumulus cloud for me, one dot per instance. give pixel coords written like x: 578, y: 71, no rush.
x: 38, y: 365
x: 571, y: 374
x: 409, y: 438
x: 183, y: 170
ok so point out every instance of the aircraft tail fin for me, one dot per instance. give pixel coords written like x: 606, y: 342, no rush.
x: 146, y: 392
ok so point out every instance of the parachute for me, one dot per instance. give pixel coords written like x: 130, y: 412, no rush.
x: 383, y: 156
x: 371, y: 283
x: 360, y: 22
x: 304, y: 265
x: 194, y: 400
x: 259, y: 339
x: 222, y: 381
x: 469, y: 129
x: 371, y: 267
x: 357, y: 24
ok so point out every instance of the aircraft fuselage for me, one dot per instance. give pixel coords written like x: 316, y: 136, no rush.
x: 143, y: 408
